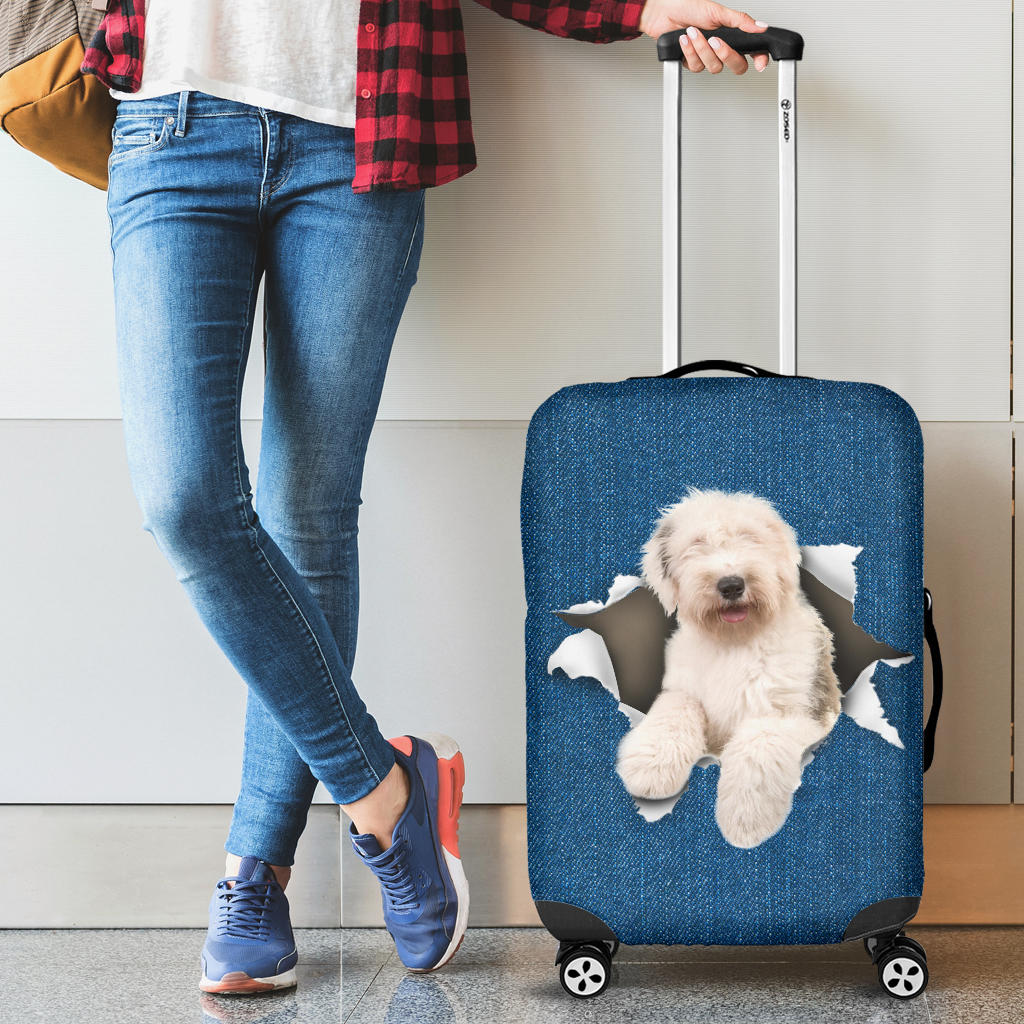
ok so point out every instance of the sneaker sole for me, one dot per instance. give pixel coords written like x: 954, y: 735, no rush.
x: 451, y: 777
x: 239, y: 983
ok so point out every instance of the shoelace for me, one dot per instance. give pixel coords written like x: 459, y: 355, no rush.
x: 396, y: 880
x: 241, y: 909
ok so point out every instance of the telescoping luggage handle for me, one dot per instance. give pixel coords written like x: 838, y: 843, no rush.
x: 786, y: 48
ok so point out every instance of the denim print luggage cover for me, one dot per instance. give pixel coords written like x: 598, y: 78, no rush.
x: 841, y: 463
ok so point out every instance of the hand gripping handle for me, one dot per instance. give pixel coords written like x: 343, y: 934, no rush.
x: 780, y: 43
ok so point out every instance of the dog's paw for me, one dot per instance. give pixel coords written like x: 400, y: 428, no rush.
x: 745, y: 824
x: 751, y: 807
x: 761, y: 767
x: 649, y: 767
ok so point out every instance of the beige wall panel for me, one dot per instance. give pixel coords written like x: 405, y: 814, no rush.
x: 968, y: 569
x: 976, y: 883
x: 1017, y: 697
x: 1018, y: 333
x: 144, y: 867
x: 973, y: 868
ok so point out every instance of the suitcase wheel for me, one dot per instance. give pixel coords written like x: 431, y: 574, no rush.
x: 585, y: 970
x: 902, y: 964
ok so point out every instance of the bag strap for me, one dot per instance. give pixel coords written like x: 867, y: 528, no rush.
x: 928, y: 742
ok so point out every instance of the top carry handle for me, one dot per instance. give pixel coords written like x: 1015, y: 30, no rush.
x: 786, y: 48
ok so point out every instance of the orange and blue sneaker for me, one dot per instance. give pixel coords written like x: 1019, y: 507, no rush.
x: 249, y: 945
x: 424, y: 892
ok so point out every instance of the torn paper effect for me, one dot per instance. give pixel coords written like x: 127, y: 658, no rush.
x: 833, y: 565
x: 621, y: 586
x: 585, y: 654
x: 652, y: 810
x: 861, y: 702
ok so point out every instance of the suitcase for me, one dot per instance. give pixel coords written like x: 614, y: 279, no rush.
x: 724, y: 642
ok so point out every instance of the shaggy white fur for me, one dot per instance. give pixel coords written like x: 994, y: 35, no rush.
x: 748, y: 670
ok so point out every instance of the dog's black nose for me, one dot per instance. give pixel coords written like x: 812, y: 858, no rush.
x: 731, y: 587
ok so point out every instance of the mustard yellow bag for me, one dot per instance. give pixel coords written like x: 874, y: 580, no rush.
x: 47, y: 104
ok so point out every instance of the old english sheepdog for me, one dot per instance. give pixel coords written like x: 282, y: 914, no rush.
x: 748, y: 670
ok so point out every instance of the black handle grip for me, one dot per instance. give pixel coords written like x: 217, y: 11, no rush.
x: 780, y: 43
x: 932, y: 637
x: 713, y: 364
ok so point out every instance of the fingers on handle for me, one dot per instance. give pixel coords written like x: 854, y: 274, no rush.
x: 735, y: 62
x: 705, y: 52
x: 693, y: 62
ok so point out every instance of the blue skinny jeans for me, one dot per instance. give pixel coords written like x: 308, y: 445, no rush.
x: 206, y: 196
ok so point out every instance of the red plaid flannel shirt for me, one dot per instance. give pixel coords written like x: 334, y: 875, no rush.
x: 412, y: 89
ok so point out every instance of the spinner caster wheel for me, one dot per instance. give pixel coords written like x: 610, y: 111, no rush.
x: 585, y: 971
x: 902, y: 969
x: 875, y: 945
x: 909, y: 943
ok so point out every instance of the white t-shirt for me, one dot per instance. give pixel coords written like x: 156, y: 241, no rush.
x: 270, y: 53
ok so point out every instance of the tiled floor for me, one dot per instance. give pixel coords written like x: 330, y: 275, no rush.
x: 503, y: 975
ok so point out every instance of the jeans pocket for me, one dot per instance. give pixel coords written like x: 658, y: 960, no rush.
x: 136, y: 134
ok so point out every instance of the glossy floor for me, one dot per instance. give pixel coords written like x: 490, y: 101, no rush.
x: 499, y: 975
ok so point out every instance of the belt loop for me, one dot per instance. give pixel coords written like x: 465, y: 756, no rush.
x: 179, y: 128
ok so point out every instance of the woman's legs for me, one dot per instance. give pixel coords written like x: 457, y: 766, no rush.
x: 339, y: 270
x: 191, y: 234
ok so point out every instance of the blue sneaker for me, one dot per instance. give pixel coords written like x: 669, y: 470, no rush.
x: 249, y: 945
x: 423, y: 887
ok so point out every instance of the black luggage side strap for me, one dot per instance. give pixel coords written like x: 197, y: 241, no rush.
x: 718, y: 364
x: 928, y: 742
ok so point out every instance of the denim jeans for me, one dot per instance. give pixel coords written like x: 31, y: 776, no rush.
x: 206, y: 196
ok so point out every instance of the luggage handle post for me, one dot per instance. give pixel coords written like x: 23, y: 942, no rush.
x: 776, y: 41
